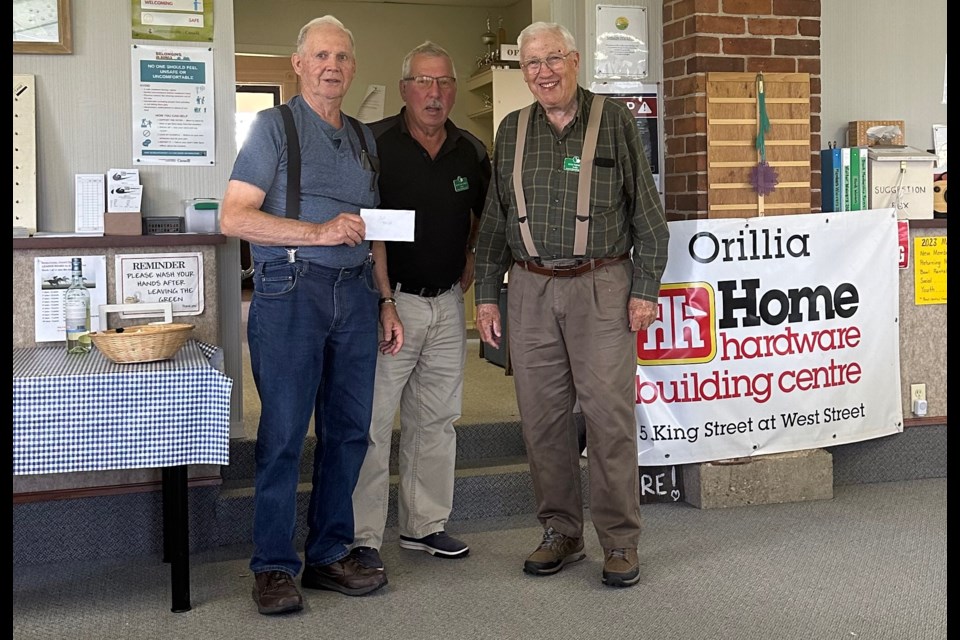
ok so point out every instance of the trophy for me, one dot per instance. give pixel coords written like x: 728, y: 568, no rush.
x: 488, y: 38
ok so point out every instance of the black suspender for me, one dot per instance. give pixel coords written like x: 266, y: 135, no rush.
x: 293, y: 164
x: 293, y: 157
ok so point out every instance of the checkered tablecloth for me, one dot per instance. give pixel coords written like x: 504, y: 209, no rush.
x: 86, y: 413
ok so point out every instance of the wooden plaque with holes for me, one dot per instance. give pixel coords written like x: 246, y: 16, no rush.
x: 732, y: 126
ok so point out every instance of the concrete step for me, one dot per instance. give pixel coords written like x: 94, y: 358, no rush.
x: 475, y: 444
x: 498, y: 487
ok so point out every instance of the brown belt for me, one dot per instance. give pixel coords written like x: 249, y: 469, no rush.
x: 582, y: 266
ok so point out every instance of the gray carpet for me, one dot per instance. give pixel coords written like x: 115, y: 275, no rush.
x: 870, y: 563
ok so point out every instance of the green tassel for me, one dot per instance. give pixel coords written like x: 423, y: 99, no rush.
x: 764, y: 119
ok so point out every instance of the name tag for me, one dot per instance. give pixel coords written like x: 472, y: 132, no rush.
x: 572, y: 164
x: 460, y: 184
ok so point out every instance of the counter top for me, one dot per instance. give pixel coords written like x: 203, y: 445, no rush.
x: 97, y: 242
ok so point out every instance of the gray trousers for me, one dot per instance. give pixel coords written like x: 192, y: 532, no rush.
x: 425, y: 380
x: 570, y: 338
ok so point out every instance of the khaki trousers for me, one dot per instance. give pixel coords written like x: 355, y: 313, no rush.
x: 570, y: 338
x: 425, y: 380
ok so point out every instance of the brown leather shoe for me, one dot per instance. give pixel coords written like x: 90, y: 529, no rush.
x: 346, y: 575
x: 555, y: 552
x: 276, y: 592
x: 621, y: 568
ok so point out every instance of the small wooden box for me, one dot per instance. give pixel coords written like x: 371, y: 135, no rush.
x: 859, y: 134
x: 122, y: 224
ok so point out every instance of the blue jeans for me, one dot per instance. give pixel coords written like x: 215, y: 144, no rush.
x: 313, y: 351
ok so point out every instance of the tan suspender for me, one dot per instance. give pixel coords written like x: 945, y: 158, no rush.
x: 586, y: 172
x: 522, y: 123
x: 584, y: 183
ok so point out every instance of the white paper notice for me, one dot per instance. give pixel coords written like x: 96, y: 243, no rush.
x: 371, y: 107
x: 388, y: 224
x: 89, y: 202
x: 176, y: 278
x: 51, y: 279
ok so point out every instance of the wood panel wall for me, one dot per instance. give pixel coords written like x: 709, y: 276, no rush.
x: 733, y: 118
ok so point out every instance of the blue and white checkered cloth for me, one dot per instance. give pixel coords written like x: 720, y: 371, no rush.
x: 86, y: 413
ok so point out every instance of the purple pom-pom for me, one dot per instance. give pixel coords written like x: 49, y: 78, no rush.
x: 764, y: 178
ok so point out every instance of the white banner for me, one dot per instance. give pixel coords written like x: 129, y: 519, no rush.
x: 773, y: 334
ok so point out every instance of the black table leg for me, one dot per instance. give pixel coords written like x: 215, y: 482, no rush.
x: 176, y: 535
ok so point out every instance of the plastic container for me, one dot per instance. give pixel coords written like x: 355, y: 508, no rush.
x: 201, y: 215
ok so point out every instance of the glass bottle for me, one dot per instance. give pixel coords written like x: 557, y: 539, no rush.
x: 76, y: 310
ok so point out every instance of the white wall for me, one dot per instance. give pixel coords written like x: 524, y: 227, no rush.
x: 883, y: 60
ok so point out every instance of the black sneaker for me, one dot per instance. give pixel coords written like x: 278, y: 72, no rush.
x: 367, y: 557
x: 437, y: 544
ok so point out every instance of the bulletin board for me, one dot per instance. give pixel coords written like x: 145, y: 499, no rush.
x: 24, y: 154
x: 733, y: 117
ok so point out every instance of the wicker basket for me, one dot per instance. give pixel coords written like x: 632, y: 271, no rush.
x: 145, y: 343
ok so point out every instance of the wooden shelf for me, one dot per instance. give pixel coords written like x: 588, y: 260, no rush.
x: 486, y: 112
x: 479, y: 80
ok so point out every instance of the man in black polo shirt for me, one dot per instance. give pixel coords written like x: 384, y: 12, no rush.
x: 441, y: 172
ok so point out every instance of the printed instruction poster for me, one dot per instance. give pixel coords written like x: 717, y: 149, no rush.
x: 176, y: 278
x: 173, y: 105
x: 52, y: 277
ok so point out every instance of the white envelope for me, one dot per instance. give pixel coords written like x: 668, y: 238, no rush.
x: 388, y: 224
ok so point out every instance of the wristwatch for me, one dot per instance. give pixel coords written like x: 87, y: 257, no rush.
x: 388, y: 300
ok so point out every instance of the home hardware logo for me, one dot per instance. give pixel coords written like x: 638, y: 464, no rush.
x: 685, y: 329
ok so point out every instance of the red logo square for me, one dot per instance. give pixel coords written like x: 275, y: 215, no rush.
x: 685, y: 328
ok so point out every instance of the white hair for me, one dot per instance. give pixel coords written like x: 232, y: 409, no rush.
x: 323, y: 20
x: 538, y: 28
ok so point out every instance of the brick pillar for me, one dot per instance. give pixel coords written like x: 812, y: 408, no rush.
x: 781, y: 36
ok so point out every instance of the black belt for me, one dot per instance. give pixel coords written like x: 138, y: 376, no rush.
x: 580, y: 267
x: 424, y: 292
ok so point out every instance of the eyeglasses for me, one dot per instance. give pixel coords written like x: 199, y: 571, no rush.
x: 555, y: 62
x: 425, y: 82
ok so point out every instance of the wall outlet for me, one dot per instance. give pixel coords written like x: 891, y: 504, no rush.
x: 918, y: 392
x: 918, y: 399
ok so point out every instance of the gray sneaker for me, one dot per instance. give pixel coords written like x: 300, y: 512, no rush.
x: 555, y: 551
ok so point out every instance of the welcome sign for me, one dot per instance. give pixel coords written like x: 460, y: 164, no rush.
x: 773, y: 334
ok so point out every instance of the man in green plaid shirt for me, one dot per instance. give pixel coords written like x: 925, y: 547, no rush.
x: 574, y: 214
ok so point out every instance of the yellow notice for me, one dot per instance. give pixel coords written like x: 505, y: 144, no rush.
x: 930, y: 270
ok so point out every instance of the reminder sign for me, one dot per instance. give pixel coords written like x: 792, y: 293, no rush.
x: 176, y: 278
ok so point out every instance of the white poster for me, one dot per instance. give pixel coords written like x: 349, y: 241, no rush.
x: 371, y: 107
x: 176, y: 278
x: 622, y: 45
x: 173, y: 105
x: 51, y: 278
x: 774, y: 334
